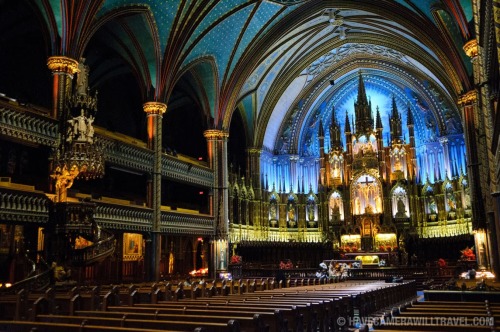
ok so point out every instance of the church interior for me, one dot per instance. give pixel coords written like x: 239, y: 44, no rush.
x: 152, y: 140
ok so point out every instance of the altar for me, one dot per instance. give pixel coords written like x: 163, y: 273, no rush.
x: 369, y: 259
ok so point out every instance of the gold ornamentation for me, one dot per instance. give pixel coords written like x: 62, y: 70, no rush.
x: 470, y: 48
x: 63, y: 64
x: 468, y: 98
x: 254, y: 150
x: 64, y: 180
x: 154, y: 107
x: 215, y: 134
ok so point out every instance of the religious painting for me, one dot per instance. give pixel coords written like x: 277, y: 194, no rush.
x: 132, y: 246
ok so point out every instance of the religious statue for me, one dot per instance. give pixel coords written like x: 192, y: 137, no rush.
x: 401, y: 208
x: 272, y: 212
x: 432, y: 205
x: 64, y: 180
x: 311, y: 212
x: 467, y: 199
x: 80, y: 128
x: 452, y: 202
x: 291, y: 212
x: 82, y: 78
x: 335, y: 209
x: 378, y: 204
x: 357, y: 205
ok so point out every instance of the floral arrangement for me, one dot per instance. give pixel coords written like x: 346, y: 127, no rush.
x: 468, y: 254
x: 235, y: 259
x: 442, y: 263
x: 381, y: 248
x: 286, y: 266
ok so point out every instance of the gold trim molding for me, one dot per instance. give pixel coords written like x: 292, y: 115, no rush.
x: 468, y: 98
x: 154, y: 107
x: 470, y: 48
x: 254, y: 150
x: 215, y: 134
x: 63, y: 64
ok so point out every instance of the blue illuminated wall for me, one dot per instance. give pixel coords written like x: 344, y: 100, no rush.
x: 439, y: 140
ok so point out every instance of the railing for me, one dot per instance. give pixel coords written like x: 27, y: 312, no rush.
x: 375, y: 273
x: 95, y: 252
x: 36, y: 282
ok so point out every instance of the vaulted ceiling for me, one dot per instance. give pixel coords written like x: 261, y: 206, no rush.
x: 275, y: 61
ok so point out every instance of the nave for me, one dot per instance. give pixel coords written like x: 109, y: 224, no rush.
x: 260, y: 305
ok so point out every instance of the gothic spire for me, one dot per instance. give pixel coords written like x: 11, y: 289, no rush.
x: 396, y: 122
x: 321, y: 131
x: 379, y: 120
x: 335, y: 137
x: 410, y: 117
x: 364, y: 119
x: 347, y: 123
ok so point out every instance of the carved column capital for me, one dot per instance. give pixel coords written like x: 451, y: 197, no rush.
x: 471, y: 48
x: 467, y: 98
x: 215, y: 134
x: 154, y: 107
x: 63, y: 64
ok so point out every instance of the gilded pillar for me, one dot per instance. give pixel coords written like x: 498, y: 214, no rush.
x: 255, y: 174
x: 496, y: 16
x: 474, y: 129
x: 155, y: 112
x: 217, y: 158
x: 254, y: 167
x: 63, y: 69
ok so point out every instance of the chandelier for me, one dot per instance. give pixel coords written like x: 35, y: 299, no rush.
x: 77, y: 154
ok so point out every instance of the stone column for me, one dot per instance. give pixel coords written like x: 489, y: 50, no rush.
x: 217, y: 158
x: 155, y: 112
x: 63, y: 69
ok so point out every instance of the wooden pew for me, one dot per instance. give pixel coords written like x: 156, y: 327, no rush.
x: 28, y: 326
x: 14, y: 305
x: 272, y: 318
x: 175, y: 325
x: 248, y: 321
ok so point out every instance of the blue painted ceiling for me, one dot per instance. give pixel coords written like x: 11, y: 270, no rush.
x: 278, y: 57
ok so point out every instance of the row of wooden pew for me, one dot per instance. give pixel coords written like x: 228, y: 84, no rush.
x: 65, y: 301
x: 243, y: 305
x: 438, y: 316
